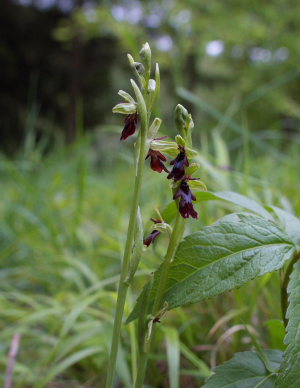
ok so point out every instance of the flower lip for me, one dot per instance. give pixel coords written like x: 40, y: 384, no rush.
x: 178, y: 164
x: 130, y: 125
x: 186, y: 196
x: 156, y: 161
x: 152, y: 236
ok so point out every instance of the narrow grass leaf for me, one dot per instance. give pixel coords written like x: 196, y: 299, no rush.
x: 69, y: 361
x: 173, y: 356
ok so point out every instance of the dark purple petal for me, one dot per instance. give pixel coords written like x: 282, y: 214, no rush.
x: 130, y: 126
x: 157, y: 160
x: 186, y: 207
x: 152, y: 236
x: 178, y: 164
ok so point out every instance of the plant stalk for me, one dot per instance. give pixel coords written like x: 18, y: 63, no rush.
x: 123, y: 284
x: 176, y: 236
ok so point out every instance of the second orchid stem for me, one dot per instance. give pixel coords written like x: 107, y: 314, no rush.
x: 175, y: 239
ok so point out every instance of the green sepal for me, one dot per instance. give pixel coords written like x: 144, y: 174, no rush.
x: 163, y: 227
x: 125, y: 108
x: 168, y: 147
x: 191, y: 153
x: 156, y: 123
x: 192, y: 168
x: 197, y: 185
x: 180, y: 140
x: 127, y: 97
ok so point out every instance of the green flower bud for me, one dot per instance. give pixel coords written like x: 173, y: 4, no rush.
x: 181, y: 115
x: 151, y: 86
x: 184, y: 123
x: 145, y: 54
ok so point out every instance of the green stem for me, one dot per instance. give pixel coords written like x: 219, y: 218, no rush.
x: 174, y: 241
x: 284, y: 285
x: 158, y: 302
x: 123, y: 284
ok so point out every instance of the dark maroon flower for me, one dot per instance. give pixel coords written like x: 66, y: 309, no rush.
x: 178, y: 164
x: 186, y: 208
x: 130, y: 125
x: 157, y: 160
x: 152, y: 236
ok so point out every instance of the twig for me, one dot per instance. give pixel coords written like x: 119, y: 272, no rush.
x: 14, y: 347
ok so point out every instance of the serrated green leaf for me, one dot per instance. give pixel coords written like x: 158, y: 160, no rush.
x: 223, y: 256
x: 246, y: 370
x: 289, y: 375
x: 289, y: 222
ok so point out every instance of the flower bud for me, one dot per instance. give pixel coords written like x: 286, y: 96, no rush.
x: 145, y: 54
x: 181, y: 115
x: 151, y: 86
x: 184, y: 123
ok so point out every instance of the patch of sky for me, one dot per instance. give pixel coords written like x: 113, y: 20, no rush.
x: 164, y: 43
x: 214, y: 48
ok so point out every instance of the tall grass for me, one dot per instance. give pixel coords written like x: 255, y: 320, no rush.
x: 63, y: 223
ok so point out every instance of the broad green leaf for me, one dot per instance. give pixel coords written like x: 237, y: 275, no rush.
x: 246, y: 370
x: 290, y: 223
x: 289, y: 375
x: 223, y: 256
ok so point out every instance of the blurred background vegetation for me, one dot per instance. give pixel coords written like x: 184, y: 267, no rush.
x: 65, y: 190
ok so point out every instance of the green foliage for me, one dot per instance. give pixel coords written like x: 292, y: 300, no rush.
x: 247, y: 370
x: 289, y: 375
x: 223, y: 256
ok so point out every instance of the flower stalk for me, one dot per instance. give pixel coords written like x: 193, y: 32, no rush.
x: 125, y: 276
